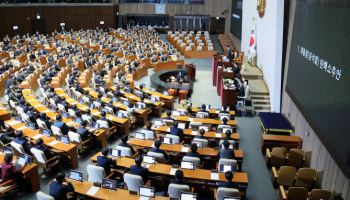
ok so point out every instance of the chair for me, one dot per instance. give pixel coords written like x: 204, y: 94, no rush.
x: 158, y: 156
x: 223, y: 192
x: 306, y: 178
x: 41, y: 124
x: 195, y: 125
x: 72, y: 113
x: 86, y: 118
x: 184, y: 90
x: 18, y: 148
x: 276, y: 157
x: 41, y: 160
x: 295, y: 158
x: 317, y: 194
x: 285, y: 176
x: 56, y: 131
x: 53, y: 103
x: 124, y: 151
x: 133, y: 182
x: 175, y: 190
x: 61, y: 107
x: 195, y: 160
x: 76, y: 139
x: 43, y: 196
x: 102, y: 124
x: 202, y: 114
x: 205, y: 142
x: 293, y: 193
x: 149, y: 135
x: 95, y: 173
x: 97, y: 104
x: 175, y: 139
x: 224, y: 161
x: 228, y: 116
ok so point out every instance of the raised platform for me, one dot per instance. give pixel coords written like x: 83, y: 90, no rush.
x: 199, y: 54
x: 159, y: 79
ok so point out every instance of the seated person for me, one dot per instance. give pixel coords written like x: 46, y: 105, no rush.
x: 19, y: 139
x: 60, y: 187
x: 83, y: 132
x: 6, y: 135
x: 168, y: 116
x: 174, y: 130
x: 201, y: 134
x: 124, y: 143
x: 137, y: 169
x: 44, y: 119
x: 226, y: 152
x: 193, y: 152
x: 58, y: 123
x: 40, y: 146
x: 8, y: 170
x: 149, y: 128
x: 178, y: 178
x: 106, y: 162
x: 104, y: 118
x: 203, y: 108
x: 157, y: 149
x: 228, y: 183
x: 224, y: 110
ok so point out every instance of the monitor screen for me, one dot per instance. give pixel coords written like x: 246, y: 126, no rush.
x: 109, y: 184
x: 149, y: 159
x: 115, y: 152
x: 47, y: 132
x: 147, y: 191
x: 225, y: 168
x: 188, y: 196
x: 31, y: 125
x: 187, y: 165
x: 140, y: 136
x: 65, y: 139
x: 75, y: 175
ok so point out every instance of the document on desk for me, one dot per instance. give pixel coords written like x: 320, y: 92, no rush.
x: 194, y: 133
x: 185, y: 149
x: 53, y: 142
x: 172, y: 171
x: 92, y: 191
x: 190, y: 119
x: 218, y: 135
x: 37, y: 136
x: 12, y: 123
x: 214, y: 176
x: 168, y: 130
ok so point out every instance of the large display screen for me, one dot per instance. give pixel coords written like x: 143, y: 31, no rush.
x: 318, y: 77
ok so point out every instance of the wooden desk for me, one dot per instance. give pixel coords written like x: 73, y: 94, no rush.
x: 205, y: 120
x: 69, y: 149
x: 82, y: 188
x: 171, y: 65
x: 270, y: 141
x: 4, y: 114
x: 164, y: 169
x: 178, y: 148
x: 167, y: 99
x: 213, y: 111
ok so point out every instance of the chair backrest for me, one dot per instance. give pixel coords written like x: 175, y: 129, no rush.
x: 39, y: 156
x: 86, y: 118
x: 149, y: 135
x: 43, y: 196
x: 72, y: 113
x: 286, y: 175
x: 175, y: 190
x: 102, y: 123
x: 61, y: 107
x: 168, y: 122
x: 25, y: 117
x: 17, y: 147
x: 124, y: 151
x: 74, y: 137
x: 297, y: 193
x: 158, y: 156
x: 295, y: 157
x: 205, y: 142
x: 175, y: 139
x: 223, y: 192
x: 41, y: 124
x: 228, y: 116
x: 224, y: 161
x: 317, y: 194
x: 278, y: 156
x: 133, y: 182
x: 97, y: 104
x: 195, y: 124
x: 195, y: 160
x: 202, y: 114
x: 56, y: 131
x: 53, y: 103
x: 95, y: 173
x: 305, y: 178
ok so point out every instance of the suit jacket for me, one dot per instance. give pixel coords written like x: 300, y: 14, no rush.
x: 83, y: 132
x: 47, y: 152
x: 64, y: 128
x: 160, y: 151
x: 175, y: 131
x: 227, y: 153
x: 106, y: 163
x: 228, y: 184
x: 141, y: 171
x: 26, y: 146
x: 59, y: 191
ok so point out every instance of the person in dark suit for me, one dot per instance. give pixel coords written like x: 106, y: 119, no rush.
x: 157, y: 149
x: 44, y: 119
x: 83, y: 132
x: 106, y: 162
x: 19, y: 139
x: 58, y: 123
x: 193, y: 152
x: 174, y: 130
x: 40, y: 146
x: 178, y: 178
x: 137, y: 169
x: 226, y: 152
x: 60, y: 187
x: 224, y: 121
x: 224, y: 110
x: 203, y: 108
x: 201, y: 134
x: 124, y: 143
x: 7, y: 135
x: 228, y: 183
x: 168, y: 116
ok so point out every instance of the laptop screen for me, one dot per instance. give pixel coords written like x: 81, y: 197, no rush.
x: 205, y: 128
x: 140, y: 136
x: 75, y: 175
x: 187, y: 165
x: 175, y: 113
x: 115, y: 152
x: 31, y: 125
x: 109, y: 184
x: 225, y: 168
x: 188, y: 196
x: 27, y: 158
x: 147, y: 191
x: 149, y: 159
x: 65, y: 139
x: 47, y: 132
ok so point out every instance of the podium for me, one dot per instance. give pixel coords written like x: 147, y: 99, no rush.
x: 228, y: 96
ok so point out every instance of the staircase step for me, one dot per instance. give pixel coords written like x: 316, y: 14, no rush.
x: 262, y: 106
x: 260, y: 97
x: 261, y: 101
x: 262, y: 110
x: 259, y: 93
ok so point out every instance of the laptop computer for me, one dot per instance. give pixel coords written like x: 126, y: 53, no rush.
x: 23, y: 160
x: 31, y: 125
x: 146, y: 192
x: 109, y: 184
x: 225, y: 168
x: 65, y: 139
x: 166, y: 140
x: 181, y: 125
x: 75, y: 175
x: 149, y: 159
x: 188, y: 196
x: 114, y: 152
x: 46, y: 132
x: 187, y: 165
x: 140, y: 136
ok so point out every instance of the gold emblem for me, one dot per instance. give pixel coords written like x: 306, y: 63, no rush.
x: 261, y: 7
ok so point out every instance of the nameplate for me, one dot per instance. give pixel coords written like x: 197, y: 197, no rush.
x: 185, y: 149
x: 92, y: 191
x: 214, y: 176
x: 172, y: 171
x: 53, y: 142
x: 218, y: 135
